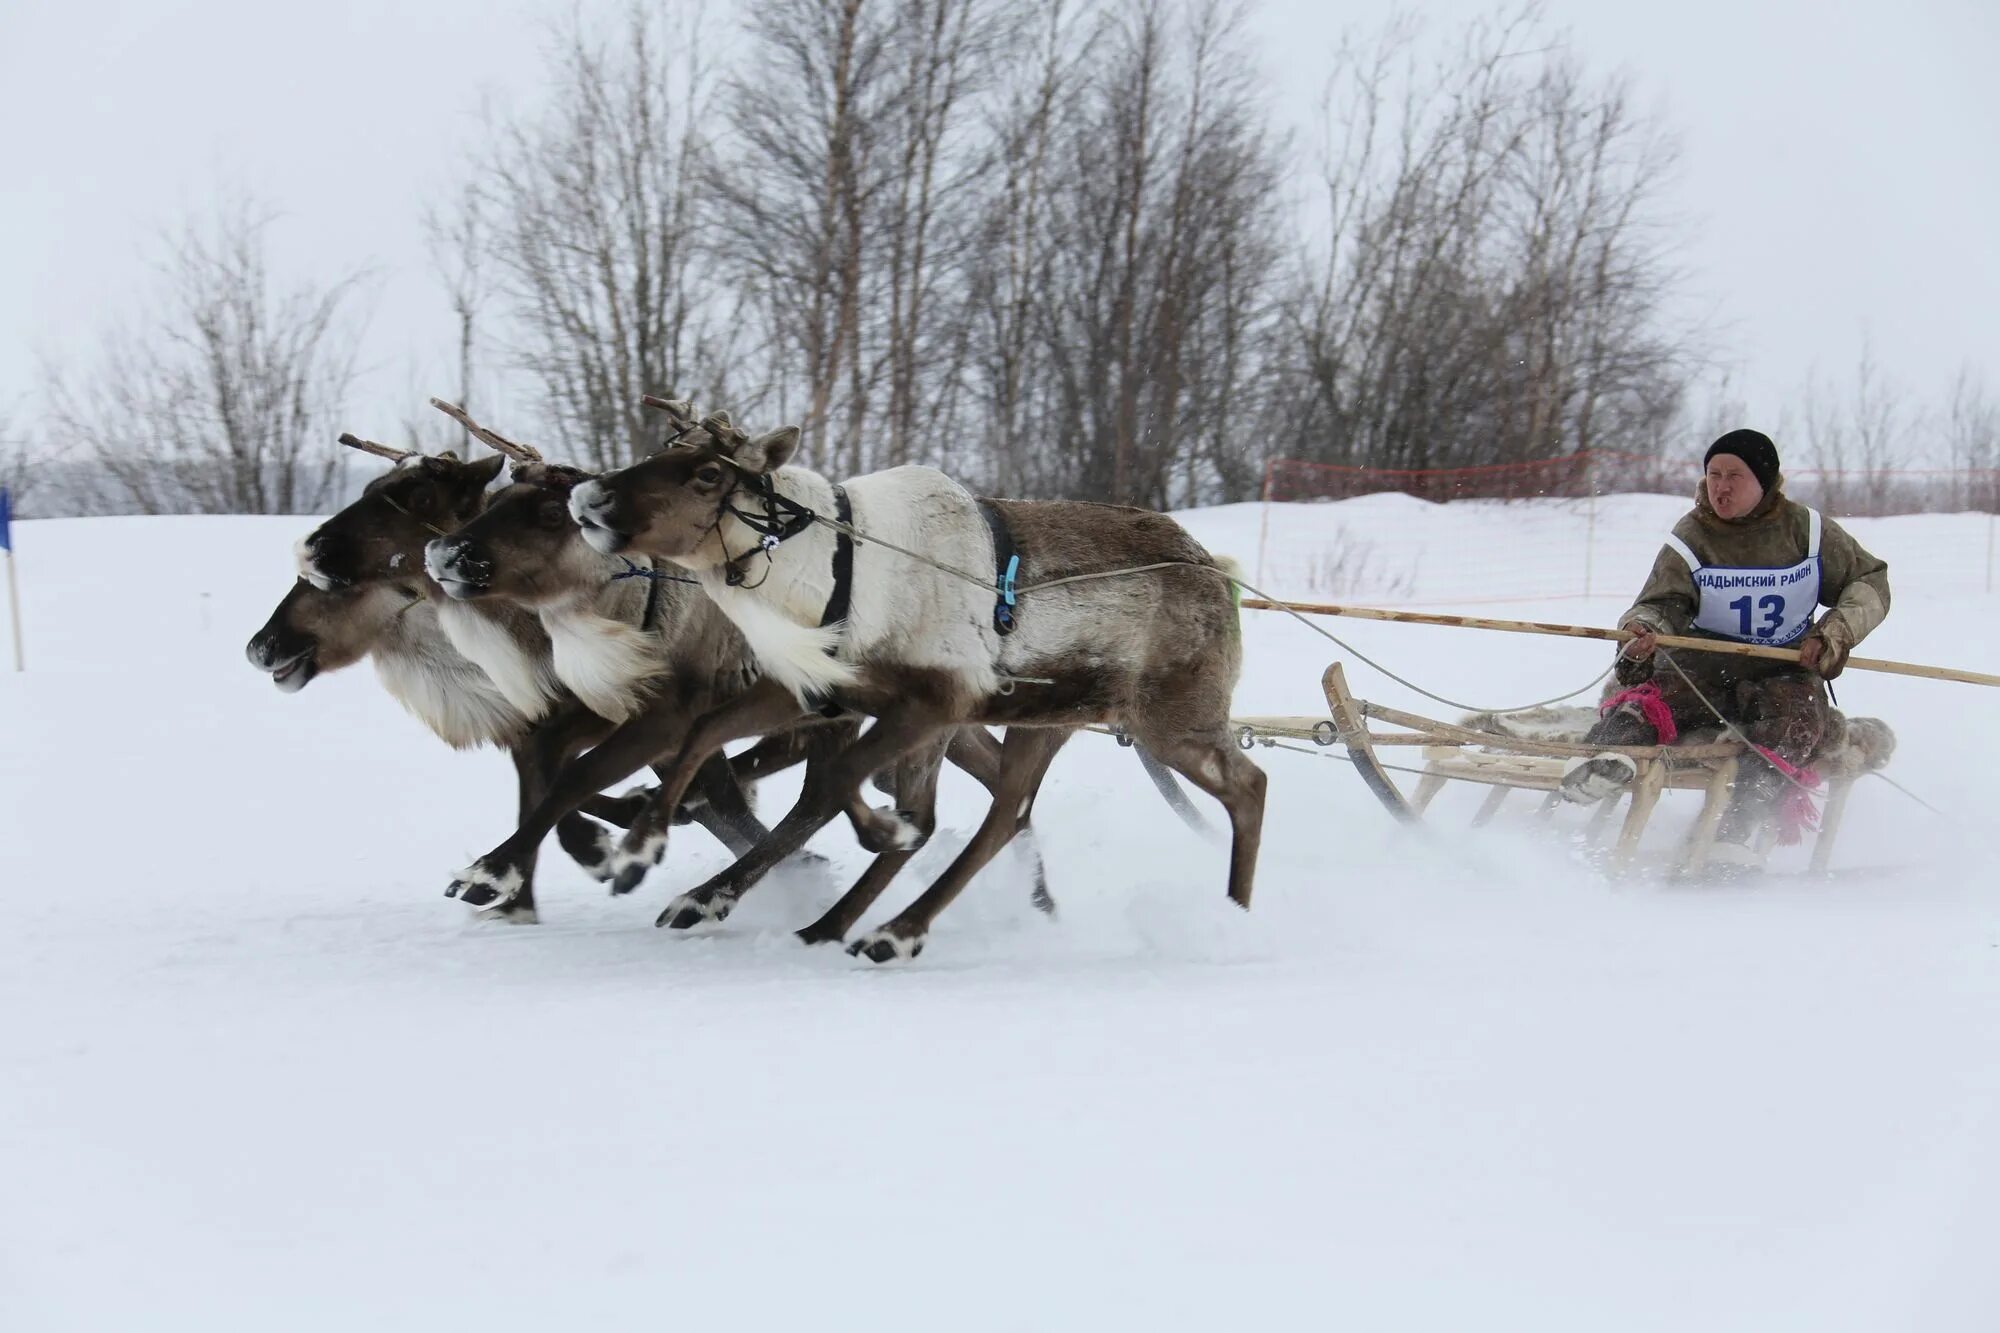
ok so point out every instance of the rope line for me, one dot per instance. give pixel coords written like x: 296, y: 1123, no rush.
x: 986, y: 585
x: 1730, y: 728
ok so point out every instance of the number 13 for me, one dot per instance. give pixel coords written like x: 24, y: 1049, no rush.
x: 1773, y: 607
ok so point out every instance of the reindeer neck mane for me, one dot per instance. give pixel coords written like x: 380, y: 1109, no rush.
x: 783, y: 591
x: 604, y: 644
x: 441, y: 687
x: 508, y: 645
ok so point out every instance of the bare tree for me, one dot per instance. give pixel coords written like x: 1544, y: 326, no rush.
x: 458, y: 244
x: 17, y: 472
x: 1972, y: 435
x: 803, y: 170
x: 1010, y: 259
x: 1495, y: 284
x: 588, y: 216
x: 224, y: 397
x: 1138, y: 215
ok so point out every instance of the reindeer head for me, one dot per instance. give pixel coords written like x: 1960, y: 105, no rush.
x: 315, y: 630
x: 382, y: 534
x: 522, y: 548
x: 671, y: 505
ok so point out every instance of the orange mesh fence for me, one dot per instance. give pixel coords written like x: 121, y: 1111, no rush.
x: 1856, y: 492
x: 1579, y: 525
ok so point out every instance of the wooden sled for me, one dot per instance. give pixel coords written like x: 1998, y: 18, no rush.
x: 1506, y: 764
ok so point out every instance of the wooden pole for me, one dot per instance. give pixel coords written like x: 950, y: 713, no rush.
x: 1615, y: 636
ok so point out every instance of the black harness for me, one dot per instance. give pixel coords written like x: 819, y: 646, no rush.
x: 783, y: 519
x: 1006, y: 566
x: 838, y: 601
x: 843, y: 561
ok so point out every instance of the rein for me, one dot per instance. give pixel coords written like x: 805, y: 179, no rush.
x: 800, y: 517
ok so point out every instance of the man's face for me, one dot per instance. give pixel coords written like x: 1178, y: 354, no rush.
x: 1733, y: 490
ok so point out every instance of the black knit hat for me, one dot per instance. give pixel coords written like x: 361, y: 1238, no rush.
x: 1754, y: 447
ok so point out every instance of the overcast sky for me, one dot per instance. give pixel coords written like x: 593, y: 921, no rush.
x: 1841, y: 175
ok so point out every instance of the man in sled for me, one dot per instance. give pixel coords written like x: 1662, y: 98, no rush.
x: 1746, y: 565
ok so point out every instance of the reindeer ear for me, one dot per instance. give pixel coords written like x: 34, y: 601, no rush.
x: 485, y: 470
x: 768, y: 453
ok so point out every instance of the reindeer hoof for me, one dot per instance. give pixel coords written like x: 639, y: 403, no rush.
x: 513, y: 914
x: 480, y: 885
x: 628, y: 865
x: 880, y: 946
x: 693, y: 909
x: 891, y: 831
x: 819, y: 933
x: 589, y: 844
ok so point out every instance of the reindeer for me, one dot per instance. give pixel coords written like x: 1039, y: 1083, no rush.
x: 925, y: 645
x: 362, y: 591
x: 651, y: 648
x: 314, y: 631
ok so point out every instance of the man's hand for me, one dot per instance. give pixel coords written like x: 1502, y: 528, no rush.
x: 1642, y: 643
x: 1824, y: 650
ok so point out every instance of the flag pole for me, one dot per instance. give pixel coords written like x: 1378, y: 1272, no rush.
x: 13, y: 589
x: 14, y: 607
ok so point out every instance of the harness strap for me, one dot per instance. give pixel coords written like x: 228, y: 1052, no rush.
x: 828, y: 704
x: 652, y: 601
x: 843, y: 561
x: 1006, y: 566
x: 783, y: 518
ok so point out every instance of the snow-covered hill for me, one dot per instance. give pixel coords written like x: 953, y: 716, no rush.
x: 256, y: 1072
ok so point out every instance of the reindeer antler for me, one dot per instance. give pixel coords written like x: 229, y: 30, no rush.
x: 379, y: 450
x: 520, y: 453
x: 680, y: 409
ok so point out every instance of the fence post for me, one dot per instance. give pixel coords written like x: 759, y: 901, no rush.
x: 1590, y: 520
x: 1264, y: 521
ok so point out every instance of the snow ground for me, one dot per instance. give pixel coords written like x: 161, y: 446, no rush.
x: 256, y: 1072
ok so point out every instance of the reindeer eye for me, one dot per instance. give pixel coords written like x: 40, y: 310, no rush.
x: 708, y: 474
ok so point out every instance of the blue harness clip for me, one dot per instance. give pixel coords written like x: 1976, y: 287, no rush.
x: 1003, y: 610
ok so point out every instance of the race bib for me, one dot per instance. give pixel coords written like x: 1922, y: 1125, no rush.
x: 1754, y: 605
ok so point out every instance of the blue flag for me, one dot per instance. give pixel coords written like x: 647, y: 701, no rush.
x: 6, y: 513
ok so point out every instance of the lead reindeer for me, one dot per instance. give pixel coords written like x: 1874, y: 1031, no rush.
x: 924, y: 644
x: 474, y: 675
x: 315, y: 631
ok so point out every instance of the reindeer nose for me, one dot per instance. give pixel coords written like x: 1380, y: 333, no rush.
x: 455, y: 556
x: 259, y: 651
x: 588, y: 498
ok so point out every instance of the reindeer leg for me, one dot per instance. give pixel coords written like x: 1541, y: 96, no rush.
x: 1025, y: 758
x: 906, y: 827
x: 974, y: 750
x: 714, y: 898
x: 719, y: 804
x: 518, y: 907
x: 765, y: 706
x: 499, y: 875
x: 1214, y: 764
x: 915, y: 788
x: 830, y: 786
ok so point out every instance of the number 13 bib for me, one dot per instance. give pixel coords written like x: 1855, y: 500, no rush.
x: 1769, y: 606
